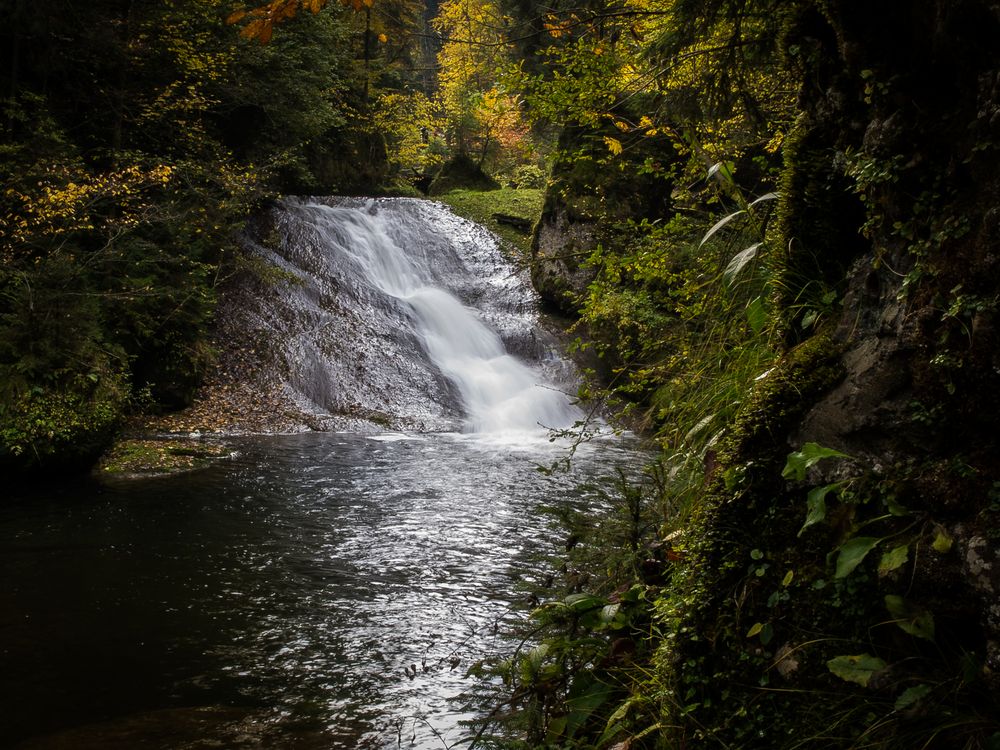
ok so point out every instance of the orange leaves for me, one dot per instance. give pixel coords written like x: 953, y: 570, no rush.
x: 265, y: 17
x: 557, y: 26
x: 260, y: 29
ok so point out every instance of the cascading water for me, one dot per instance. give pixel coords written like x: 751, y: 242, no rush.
x: 402, y: 314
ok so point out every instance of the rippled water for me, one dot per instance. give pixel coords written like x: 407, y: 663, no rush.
x: 318, y: 590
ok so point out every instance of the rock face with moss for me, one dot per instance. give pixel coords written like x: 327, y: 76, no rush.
x: 877, y: 624
x: 588, y: 193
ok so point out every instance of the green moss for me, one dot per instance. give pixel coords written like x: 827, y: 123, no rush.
x: 730, y: 575
x: 481, y: 207
x: 151, y: 457
x: 819, y: 223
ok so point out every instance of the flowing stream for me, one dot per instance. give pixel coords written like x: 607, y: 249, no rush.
x: 324, y: 589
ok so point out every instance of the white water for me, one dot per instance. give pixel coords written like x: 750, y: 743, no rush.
x: 499, y: 393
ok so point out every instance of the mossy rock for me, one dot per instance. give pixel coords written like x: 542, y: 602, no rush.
x: 461, y: 172
x: 152, y: 457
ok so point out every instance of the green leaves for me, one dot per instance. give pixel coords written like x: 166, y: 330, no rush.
x: 797, y: 465
x: 911, y: 696
x: 893, y: 559
x: 857, y: 669
x: 942, y: 541
x: 912, y: 618
x: 756, y: 315
x: 816, y: 504
x: 799, y: 462
x: 852, y: 552
x: 763, y: 630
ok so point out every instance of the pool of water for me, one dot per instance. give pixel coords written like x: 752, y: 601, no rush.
x: 315, y: 590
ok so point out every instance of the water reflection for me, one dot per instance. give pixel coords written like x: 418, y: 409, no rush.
x: 333, y: 588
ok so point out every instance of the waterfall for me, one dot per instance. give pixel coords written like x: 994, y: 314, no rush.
x: 408, y: 317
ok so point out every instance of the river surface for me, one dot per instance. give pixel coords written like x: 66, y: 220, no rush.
x: 314, y: 590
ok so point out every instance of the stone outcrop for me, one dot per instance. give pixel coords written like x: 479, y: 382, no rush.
x: 585, y: 199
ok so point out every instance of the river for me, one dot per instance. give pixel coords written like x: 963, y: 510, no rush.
x: 318, y: 590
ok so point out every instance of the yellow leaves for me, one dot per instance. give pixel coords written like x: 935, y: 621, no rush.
x: 383, y: 38
x: 613, y: 144
x: 408, y: 124
x: 68, y: 202
x: 775, y: 143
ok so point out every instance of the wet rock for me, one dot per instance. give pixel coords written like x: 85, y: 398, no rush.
x: 308, y: 341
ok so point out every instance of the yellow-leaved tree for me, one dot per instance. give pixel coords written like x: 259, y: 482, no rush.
x: 480, y: 114
x: 409, y: 124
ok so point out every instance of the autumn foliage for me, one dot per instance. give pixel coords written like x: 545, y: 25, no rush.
x: 262, y: 19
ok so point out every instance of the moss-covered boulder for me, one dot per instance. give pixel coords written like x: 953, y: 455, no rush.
x: 461, y: 173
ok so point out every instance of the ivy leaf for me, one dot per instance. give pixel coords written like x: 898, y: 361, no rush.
x: 942, y: 542
x: 857, y: 669
x: 852, y: 552
x: 811, y: 454
x: 893, y: 559
x: 911, y: 696
x: 912, y: 618
x: 816, y: 504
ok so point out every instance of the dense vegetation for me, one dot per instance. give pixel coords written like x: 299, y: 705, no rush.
x: 773, y: 225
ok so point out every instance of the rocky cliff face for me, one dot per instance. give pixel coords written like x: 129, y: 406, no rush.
x: 877, y: 624
x: 890, y: 201
x: 918, y: 403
